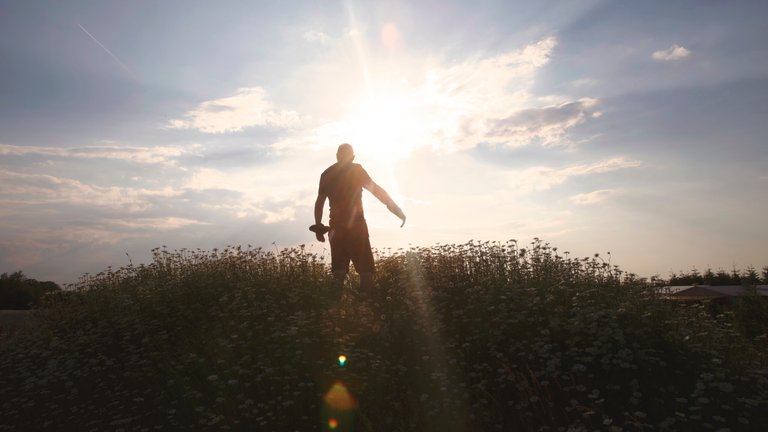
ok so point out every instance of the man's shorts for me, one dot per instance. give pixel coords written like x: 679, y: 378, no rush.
x: 351, y: 244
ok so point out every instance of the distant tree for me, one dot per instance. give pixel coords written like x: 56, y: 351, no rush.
x: 695, y: 273
x: 765, y: 274
x: 19, y: 292
x: 721, y: 278
x: 690, y: 278
x: 735, y: 277
x: 708, y: 277
x: 750, y: 276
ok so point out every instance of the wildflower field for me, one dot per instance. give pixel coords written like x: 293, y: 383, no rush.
x: 472, y: 337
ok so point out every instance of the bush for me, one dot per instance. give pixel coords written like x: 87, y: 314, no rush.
x: 750, y: 314
x: 475, y: 337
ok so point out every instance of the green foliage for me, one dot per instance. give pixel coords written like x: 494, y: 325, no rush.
x: 19, y: 292
x: 472, y: 337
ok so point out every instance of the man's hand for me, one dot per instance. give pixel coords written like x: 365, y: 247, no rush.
x: 319, y: 230
x: 395, y: 209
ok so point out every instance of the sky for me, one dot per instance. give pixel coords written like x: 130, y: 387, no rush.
x: 635, y: 128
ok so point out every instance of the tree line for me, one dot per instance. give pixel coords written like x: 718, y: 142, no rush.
x: 20, y: 292
x: 750, y: 276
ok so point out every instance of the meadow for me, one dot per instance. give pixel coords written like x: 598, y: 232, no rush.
x: 473, y: 337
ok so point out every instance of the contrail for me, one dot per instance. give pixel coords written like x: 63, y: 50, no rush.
x: 114, y: 57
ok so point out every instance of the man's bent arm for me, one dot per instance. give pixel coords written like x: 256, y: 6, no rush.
x: 319, y: 204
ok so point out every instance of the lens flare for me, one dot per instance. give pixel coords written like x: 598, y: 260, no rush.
x: 339, y: 408
x: 342, y: 360
x: 338, y: 397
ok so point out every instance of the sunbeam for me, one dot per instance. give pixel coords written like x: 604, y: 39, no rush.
x: 419, y: 292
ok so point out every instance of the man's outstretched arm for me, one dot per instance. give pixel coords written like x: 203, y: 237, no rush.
x: 387, y: 200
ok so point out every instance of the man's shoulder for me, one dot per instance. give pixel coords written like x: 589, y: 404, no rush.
x: 330, y: 169
x: 362, y: 172
x: 338, y: 166
x: 349, y: 172
x: 358, y: 168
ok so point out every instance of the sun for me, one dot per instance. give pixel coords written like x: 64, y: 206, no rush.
x: 385, y: 124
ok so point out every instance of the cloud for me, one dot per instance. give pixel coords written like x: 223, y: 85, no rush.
x: 164, y: 155
x: 543, y: 178
x: 48, y: 218
x: 67, y: 244
x: 584, y: 82
x: 475, y: 94
x: 47, y: 189
x: 452, y: 106
x: 612, y: 164
x: 249, y: 107
x: 315, y: 36
x: 206, y: 191
x: 487, y: 87
x: 546, y: 125
x: 158, y: 223
x: 267, y: 195
x: 675, y: 52
x: 593, y: 197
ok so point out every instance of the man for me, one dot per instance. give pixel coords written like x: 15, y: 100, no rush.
x: 342, y: 183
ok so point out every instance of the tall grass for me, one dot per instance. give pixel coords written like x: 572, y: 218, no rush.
x: 472, y: 337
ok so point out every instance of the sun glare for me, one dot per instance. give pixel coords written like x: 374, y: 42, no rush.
x: 384, y: 124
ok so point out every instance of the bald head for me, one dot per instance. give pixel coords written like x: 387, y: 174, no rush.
x: 345, y: 153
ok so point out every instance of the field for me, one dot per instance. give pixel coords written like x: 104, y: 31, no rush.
x: 471, y: 337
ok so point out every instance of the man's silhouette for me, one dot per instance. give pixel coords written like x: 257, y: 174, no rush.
x: 342, y: 183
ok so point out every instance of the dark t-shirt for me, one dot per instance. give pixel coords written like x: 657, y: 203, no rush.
x: 343, y: 184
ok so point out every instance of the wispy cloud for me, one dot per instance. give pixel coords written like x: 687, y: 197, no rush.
x: 474, y: 94
x: 675, y: 52
x: 543, y: 178
x: 27, y: 244
x: 607, y: 165
x: 249, y: 107
x: 315, y: 36
x: 593, y: 197
x: 584, y: 82
x: 206, y: 190
x: 258, y: 195
x: 546, y: 125
x: 48, y: 189
x: 165, y: 155
x: 157, y: 223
